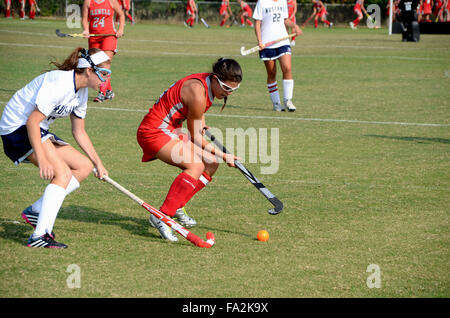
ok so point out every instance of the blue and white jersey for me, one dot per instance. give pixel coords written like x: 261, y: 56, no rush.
x: 52, y: 93
x: 272, y: 15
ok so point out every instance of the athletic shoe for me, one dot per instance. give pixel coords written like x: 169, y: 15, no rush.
x: 32, y: 218
x: 352, y: 25
x: 165, y: 231
x: 44, y: 241
x: 184, y: 219
x: 292, y: 43
x: 109, y: 94
x: 290, y: 107
x: 100, y: 97
x: 331, y: 25
x: 278, y: 107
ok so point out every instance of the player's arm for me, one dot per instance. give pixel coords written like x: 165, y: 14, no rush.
x: 81, y: 137
x: 118, y: 9
x: 288, y: 23
x: 46, y: 170
x: 362, y: 7
x: 295, y: 9
x: 84, y: 17
x: 258, y: 34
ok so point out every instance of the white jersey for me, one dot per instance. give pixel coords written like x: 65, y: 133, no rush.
x: 52, y: 93
x: 272, y: 14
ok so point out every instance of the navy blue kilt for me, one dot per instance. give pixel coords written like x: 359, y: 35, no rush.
x: 17, y: 145
x: 273, y: 54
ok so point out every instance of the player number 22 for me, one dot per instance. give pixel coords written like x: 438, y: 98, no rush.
x: 276, y: 17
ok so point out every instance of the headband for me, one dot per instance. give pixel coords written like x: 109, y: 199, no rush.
x: 97, y: 58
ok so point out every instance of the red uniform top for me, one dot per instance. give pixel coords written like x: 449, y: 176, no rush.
x: 101, y: 17
x: 168, y: 114
x: 291, y: 6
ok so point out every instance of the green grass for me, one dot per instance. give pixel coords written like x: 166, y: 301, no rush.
x: 373, y: 191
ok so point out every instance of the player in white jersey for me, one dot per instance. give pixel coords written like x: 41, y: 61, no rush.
x: 24, y: 130
x: 271, y: 19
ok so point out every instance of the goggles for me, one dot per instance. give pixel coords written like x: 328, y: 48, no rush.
x: 86, y: 61
x: 227, y: 88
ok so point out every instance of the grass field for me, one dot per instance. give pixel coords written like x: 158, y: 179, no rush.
x: 363, y: 172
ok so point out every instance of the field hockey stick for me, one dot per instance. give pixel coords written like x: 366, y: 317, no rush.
x: 77, y: 35
x: 204, y: 23
x: 256, y: 48
x: 277, y: 204
x: 307, y: 20
x: 191, y: 237
x: 370, y: 18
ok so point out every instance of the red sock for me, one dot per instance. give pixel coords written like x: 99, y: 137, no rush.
x: 202, y: 182
x: 130, y: 17
x: 180, y: 192
x: 32, y: 14
x: 355, y: 22
x: 250, y: 23
x: 327, y: 22
x: 316, y: 23
x: 222, y: 22
x: 242, y: 21
x: 21, y: 13
x: 7, y: 13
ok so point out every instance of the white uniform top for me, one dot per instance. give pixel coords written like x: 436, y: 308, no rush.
x: 54, y: 95
x: 272, y: 13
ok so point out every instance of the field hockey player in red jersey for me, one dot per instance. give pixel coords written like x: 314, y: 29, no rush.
x: 24, y: 127
x: 98, y: 18
x: 245, y: 13
x: 358, y: 8
x: 159, y: 136
x: 191, y: 11
x: 225, y: 11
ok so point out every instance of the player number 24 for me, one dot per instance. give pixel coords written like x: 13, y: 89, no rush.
x: 98, y: 21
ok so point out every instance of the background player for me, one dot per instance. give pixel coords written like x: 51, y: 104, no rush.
x: 24, y: 129
x: 225, y: 11
x: 159, y: 136
x: 245, y: 13
x: 271, y: 20
x: 292, y: 11
x: 191, y: 11
x: 98, y: 18
x: 359, y: 6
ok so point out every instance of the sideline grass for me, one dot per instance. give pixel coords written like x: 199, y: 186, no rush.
x: 355, y: 193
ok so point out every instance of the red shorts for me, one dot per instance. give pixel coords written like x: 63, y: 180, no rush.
x: 357, y: 9
x: 104, y: 43
x: 322, y: 12
x: 223, y: 10
x: 152, y: 140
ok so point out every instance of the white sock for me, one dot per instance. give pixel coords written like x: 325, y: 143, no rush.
x: 52, y: 200
x: 288, y: 89
x: 73, y: 185
x: 274, y: 93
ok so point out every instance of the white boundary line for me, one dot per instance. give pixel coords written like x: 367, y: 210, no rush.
x: 291, y: 118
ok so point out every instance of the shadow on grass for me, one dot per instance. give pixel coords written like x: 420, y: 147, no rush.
x: 419, y: 140
x: 134, y: 225
x: 15, y: 231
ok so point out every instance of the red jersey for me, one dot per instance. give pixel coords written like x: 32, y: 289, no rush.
x: 169, y: 112
x: 291, y: 6
x: 101, y: 17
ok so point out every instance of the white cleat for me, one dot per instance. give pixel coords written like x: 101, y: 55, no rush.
x: 165, y: 231
x: 184, y: 219
x: 293, y: 43
x: 352, y: 25
x: 288, y: 104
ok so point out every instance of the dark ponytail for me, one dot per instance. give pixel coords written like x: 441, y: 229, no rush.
x: 71, y: 62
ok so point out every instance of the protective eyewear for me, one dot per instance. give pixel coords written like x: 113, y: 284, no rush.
x: 227, y: 88
x: 102, y: 73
